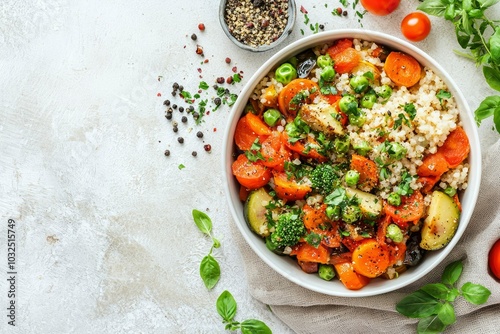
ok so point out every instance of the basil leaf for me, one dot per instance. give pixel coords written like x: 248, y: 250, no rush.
x: 452, y: 272
x: 433, y: 7
x: 436, y: 290
x: 495, y: 45
x: 252, y: 326
x: 209, y: 271
x: 226, y: 306
x: 487, y: 3
x: 496, y: 119
x: 487, y: 108
x: 419, y: 304
x: 452, y: 295
x: 430, y: 325
x: 447, y: 314
x: 492, y: 77
x: 475, y: 293
x: 463, y: 39
x: 203, y: 221
x: 467, y: 24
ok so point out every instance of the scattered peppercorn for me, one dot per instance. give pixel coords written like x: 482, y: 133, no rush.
x: 344, y: 13
x: 173, y: 93
x: 207, y: 147
x: 201, y: 26
x: 174, y: 106
x: 217, y: 101
x: 220, y: 80
x: 180, y: 140
x: 167, y: 153
x: 194, y: 153
x: 181, y: 88
x: 322, y: 26
x: 166, y: 103
x: 175, y: 128
x: 228, y: 60
x: 215, y: 87
x: 181, y: 109
x: 168, y: 116
x: 184, y: 119
x: 175, y: 85
x: 191, y: 108
x: 199, y: 50
x: 196, y: 116
x: 229, y: 80
x: 194, y: 37
x: 199, y: 134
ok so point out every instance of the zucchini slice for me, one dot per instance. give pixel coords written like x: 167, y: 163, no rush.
x: 255, y: 211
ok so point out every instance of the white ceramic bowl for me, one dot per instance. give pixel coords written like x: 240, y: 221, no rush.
x: 287, y: 266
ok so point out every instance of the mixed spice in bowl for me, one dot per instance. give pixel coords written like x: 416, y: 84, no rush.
x: 257, y: 25
x: 352, y: 163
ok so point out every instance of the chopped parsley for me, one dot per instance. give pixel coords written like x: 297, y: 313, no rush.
x: 313, y: 239
x: 203, y: 85
x: 254, y: 154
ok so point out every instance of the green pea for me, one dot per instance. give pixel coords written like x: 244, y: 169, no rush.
x: 341, y: 144
x: 333, y: 212
x: 292, y: 130
x: 328, y: 73
x: 324, y: 60
x: 394, y: 233
x: 359, y: 83
x: 362, y: 148
x: 384, y: 91
x: 352, y: 178
x: 348, y: 104
x: 357, y: 120
x: 368, y: 101
x: 450, y: 191
x: 271, y: 117
x: 351, y: 214
x: 325, y: 271
x: 285, y: 73
x: 394, y: 199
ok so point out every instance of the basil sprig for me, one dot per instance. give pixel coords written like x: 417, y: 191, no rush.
x: 433, y: 302
x: 472, y: 28
x: 209, y: 267
x: 226, y: 307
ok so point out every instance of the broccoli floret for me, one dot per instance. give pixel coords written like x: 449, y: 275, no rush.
x: 289, y: 229
x: 324, y: 178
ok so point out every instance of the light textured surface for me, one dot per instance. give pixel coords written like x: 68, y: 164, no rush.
x: 105, y: 238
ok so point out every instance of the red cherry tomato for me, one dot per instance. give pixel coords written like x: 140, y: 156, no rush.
x: 380, y: 7
x: 416, y: 26
x: 494, y: 259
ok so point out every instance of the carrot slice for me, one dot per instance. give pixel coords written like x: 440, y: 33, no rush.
x: 309, y: 253
x: 288, y: 103
x: 367, y: 169
x: 346, y: 60
x: 428, y: 183
x: 287, y: 189
x: 331, y: 237
x: 370, y: 258
x: 411, y: 209
x: 301, y: 148
x: 402, y: 69
x: 433, y: 165
x: 397, y: 252
x: 382, y: 229
x: 351, y: 279
x: 456, y: 147
x: 350, y: 243
x: 257, y: 125
x: 274, y: 152
x: 309, y: 267
x: 314, y: 217
x: 339, y: 46
x: 341, y: 258
x: 250, y: 175
x: 244, y: 192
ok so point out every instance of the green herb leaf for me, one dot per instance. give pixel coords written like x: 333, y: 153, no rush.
x: 433, y: 7
x: 411, y: 110
x: 252, y: 326
x: 203, y: 85
x: 203, y: 221
x: 419, y: 304
x: 487, y: 108
x: 452, y: 272
x: 186, y: 95
x: 447, y: 314
x: 209, y: 271
x: 430, y: 325
x: 313, y: 239
x: 436, y: 290
x: 492, y: 77
x: 475, y: 293
x: 226, y: 306
x: 442, y: 94
x: 495, y: 45
x: 337, y: 197
x: 487, y: 3
x: 181, y: 166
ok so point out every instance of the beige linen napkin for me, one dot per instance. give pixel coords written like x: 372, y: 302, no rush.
x: 309, y: 312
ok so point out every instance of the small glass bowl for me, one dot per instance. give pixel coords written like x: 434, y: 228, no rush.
x: 265, y: 47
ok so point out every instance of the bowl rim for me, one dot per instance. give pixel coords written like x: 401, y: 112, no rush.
x: 292, y: 14
x: 469, y: 196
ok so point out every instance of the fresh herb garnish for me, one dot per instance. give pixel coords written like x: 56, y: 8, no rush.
x: 410, y: 109
x: 313, y: 239
x: 181, y: 167
x: 472, y: 28
x: 404, y: 187
x: 254, y: 154
x: 226, y: 307
x: 398, y: 122
x: 203, y: 85
x: 442, y: 94
x: 209, y: 267
x: 236, y: 77
x: 433, y: 303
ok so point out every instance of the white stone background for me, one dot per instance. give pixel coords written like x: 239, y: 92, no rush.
x: 105, y: 238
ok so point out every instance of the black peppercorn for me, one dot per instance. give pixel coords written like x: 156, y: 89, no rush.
x: 184, y: 119
x: 199, y: 134
x: 217, y: 101
x: 181, y: 88
x: 167, y: 153
x: 196, y: 115
x: 174, y: 106
x: 175, y: 85
x: 194, y: 153
x: 321, y: 26
x: 175, y: 128
x: 174, y: 93
x: 191, y: 108
x: 180, y: 140
x: 181, y: 109
x: 166, y: 103
x: 168, y: 116
x: 194, y: 37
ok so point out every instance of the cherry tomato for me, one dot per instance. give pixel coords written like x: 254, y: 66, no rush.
x: 380, y: 7
x: 416, y: 26
x: 494, y: 259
